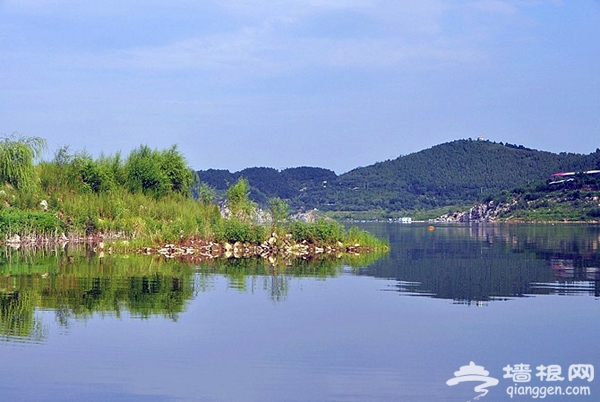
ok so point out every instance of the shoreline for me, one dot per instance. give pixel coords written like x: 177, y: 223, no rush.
x: 193, y: 249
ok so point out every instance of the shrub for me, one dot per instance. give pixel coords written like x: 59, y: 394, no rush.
x: 26, y: 222
x: 144, y: 173
x: 594, y: 213
x: 279, y: 210
x: 181, y: 177
x: 234, y: 230
x: 323, y: 230
x: 239, y: 202
x: 158, y: 173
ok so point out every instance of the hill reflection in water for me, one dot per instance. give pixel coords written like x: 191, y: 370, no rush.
x: 481, y: 263
x: 466, y: 264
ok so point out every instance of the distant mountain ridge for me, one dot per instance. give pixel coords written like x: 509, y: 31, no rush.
x: 265, y: 182
x: 454, y: 173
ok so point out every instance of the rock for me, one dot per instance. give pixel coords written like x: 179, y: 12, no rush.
x: 486, y: 212
x: 14, y: 239
x: 308, y: 217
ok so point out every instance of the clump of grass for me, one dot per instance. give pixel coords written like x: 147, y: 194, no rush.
x: 234, y: 230
x: 364, y: 239
x: 137, y: 215
x: 322, y: 231
x: 16, y: 221
x: 329, y: 232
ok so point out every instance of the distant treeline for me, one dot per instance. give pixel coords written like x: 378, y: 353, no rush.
x: 295, y: 184
x: 460, y: 172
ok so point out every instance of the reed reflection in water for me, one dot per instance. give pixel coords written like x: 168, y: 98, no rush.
x: 138, y: 328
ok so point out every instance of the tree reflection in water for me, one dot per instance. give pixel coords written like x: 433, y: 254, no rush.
x: 478, y: 263
x: 76, y: 284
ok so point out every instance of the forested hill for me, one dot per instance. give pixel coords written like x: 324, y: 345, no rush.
x: 454, y: 173
x: 457, y: 172
x: 265, y: 183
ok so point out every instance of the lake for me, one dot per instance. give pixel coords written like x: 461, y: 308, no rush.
x: 453, y: 313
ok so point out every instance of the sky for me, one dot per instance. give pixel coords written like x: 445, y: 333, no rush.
x: 335, y: 84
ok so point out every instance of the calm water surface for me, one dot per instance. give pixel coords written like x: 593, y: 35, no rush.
x: 75, y: 328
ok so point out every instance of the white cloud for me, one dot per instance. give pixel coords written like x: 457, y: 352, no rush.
x: 212, y: 52
x: 258, y: 39
x: 412, y: 33
x: 260, y: 52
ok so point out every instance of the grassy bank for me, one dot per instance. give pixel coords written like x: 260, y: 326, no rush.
x: 149, y: 198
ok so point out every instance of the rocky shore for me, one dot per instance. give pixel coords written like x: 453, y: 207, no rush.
x: 274, y: 249
x: 505, y: 212
x: 486, y: 212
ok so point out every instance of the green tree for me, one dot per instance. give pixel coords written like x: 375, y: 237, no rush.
x: 93, y: 175
x: 206, y: 194
x: 238, y: 197
x: 158, y: 173
x: 279, y: 210
x: 145, y: 173
x: 180, y: 176
x: 17, y: 155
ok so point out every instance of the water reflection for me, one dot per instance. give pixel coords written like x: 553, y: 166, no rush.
x: 481, y: 263
x: 76, y: 284
x: 251, y: 274
x: 466, y: 264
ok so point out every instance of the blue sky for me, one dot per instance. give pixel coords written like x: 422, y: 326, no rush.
x: 282, y: 83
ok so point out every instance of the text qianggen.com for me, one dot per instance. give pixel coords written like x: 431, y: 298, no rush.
x: 542, y: 392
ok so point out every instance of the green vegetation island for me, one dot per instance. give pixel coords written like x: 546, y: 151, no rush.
x: 152, y: 202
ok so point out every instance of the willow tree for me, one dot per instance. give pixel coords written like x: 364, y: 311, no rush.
x: 17, y: 156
